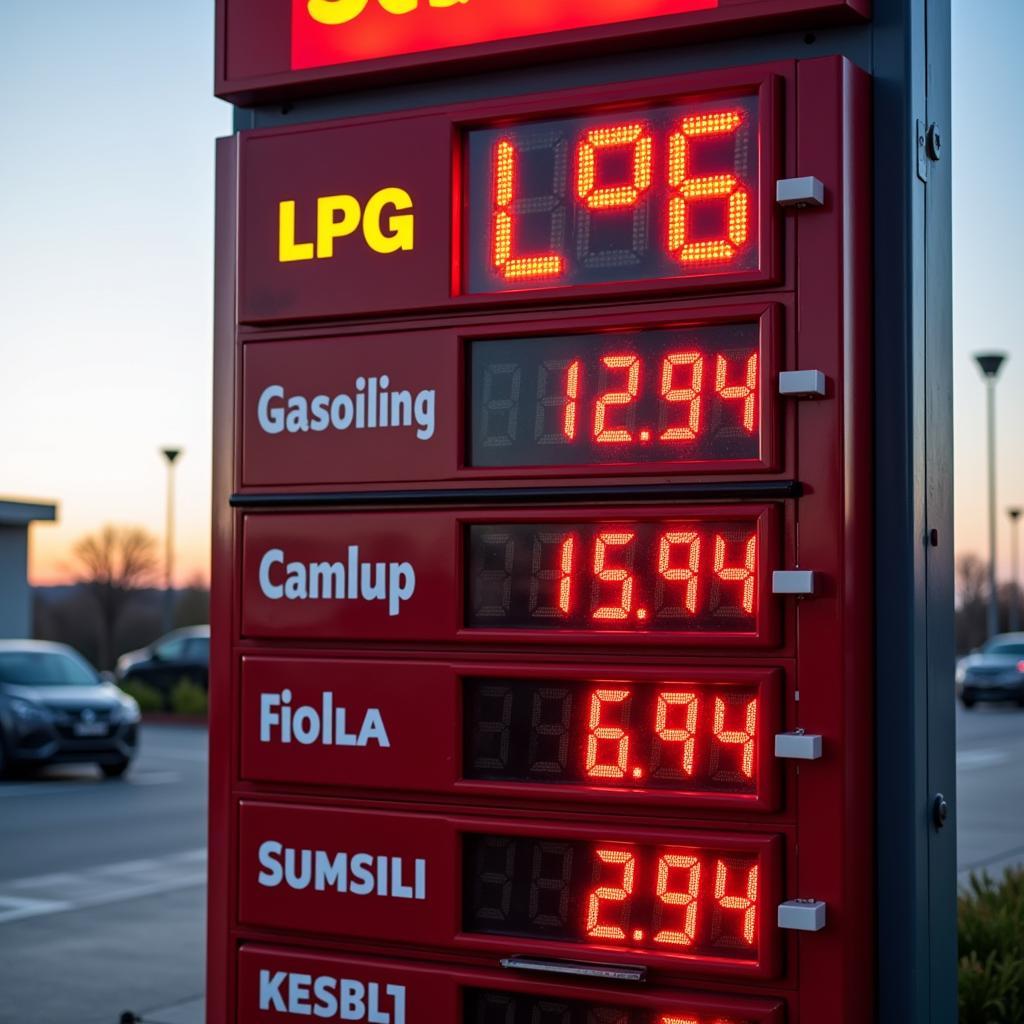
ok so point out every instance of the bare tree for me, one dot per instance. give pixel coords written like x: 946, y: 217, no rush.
x: 115, y: 562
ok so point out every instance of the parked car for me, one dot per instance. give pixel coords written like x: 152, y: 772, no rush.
x: 56, y: 708
x: 993, y: 672
x: 183, y: 654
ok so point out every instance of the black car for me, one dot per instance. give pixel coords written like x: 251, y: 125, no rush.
x: 56, y: 708
x: 994, y: 672
x: 183, y: 654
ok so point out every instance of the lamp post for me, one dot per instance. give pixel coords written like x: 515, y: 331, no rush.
x: 1015, y: 597
x: 990, y: 363
x: 170, y: 454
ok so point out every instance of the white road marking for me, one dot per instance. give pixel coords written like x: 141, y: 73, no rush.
x: 60, y: 892
x: 969, y: 759
x: 14, y: 908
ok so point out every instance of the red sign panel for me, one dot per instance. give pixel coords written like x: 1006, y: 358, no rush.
x: 269, y: 48
x: 615, y: 735
x: 276, y: 983
x: 698, y: 902
x: 326, y: 32
x: 673, y: 193
x: 688, y: 392
x: 657, y: 576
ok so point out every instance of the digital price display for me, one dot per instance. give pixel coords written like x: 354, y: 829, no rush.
x: 690, y: 737
x: 691, y: 394
x: 483, y: 1006
x: 653, y: 192
x: 684, y: 575
x: 692, y: 899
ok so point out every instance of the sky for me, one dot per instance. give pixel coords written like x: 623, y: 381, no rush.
x: 106, y: 207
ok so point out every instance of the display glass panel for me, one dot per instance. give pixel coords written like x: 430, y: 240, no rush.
x: 685, y: 575
x: 667, y: 191
x: 695, y: 900
x: 685, y: 737
x: 489, y: 1006
x: 682, y: 395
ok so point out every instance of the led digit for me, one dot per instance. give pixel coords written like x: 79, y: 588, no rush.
x: 688, y: 395
x: 742, y: 903
x: 745, y: 392
x: 599, y: 731
x: 610, y: 894
x: 605, y: 574
x: 686, y: 734
x: 686, y: 899
x: 687, y: 574
x: 638, y: 139
x: 506, y: 206
x: 616, y: 435
x: 744, y: 737
x: 692, y: 190
x: 572, y: 391
x: 744, y: 574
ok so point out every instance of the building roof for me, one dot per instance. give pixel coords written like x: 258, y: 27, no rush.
x: 21, y: 513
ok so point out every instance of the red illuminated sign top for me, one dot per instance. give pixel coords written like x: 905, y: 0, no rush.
x: 271, y: 47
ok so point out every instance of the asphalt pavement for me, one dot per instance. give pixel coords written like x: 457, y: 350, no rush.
x: 103, y: 883
x: 103, y: 887
x: 990, y: 788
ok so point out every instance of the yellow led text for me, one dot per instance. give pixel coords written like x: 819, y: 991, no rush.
x: 340, y: 216
x: 338, y: 12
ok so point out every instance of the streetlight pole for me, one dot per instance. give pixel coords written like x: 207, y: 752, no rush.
x: 170, y: 454
x: 990, y: 363
x: 1015, y: 597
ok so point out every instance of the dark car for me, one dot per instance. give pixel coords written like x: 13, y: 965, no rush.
x: 56, y: 708
x: 993, y: 672
x: 183, y: 654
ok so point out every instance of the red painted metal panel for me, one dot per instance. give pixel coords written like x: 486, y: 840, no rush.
x: 403, y: 574
x: 398, y: 877
x: 402, y: 993
x: 399, y: 729
x: 819, y: 842
x: 267, y: 48
x: 425, y: 439
x: 318, y: 272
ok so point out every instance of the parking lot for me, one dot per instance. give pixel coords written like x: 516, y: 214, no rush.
x: 103, y: 885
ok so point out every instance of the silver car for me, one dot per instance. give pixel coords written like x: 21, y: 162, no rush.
x: 993, y: 672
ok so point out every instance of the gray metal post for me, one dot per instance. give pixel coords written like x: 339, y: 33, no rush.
x: 990, y: 364
x: 1015, y: 596
x: 170, y: 454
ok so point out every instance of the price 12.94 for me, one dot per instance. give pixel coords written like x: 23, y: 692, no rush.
x: 686, y: 395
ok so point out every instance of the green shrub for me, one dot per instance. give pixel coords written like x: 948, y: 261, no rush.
x: 149, y: 698
x: 188, y: 698
x: 990, y: 935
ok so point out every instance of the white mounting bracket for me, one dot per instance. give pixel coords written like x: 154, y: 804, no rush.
x: 799, y: 192
x: 802, y: 915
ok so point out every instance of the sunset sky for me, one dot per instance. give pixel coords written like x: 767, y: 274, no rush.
x: 106, y: 201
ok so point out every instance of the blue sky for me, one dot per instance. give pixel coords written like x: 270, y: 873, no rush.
x: 106, y: 202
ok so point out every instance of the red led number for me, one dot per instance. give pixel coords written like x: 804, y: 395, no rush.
x: 688, y: 889
x: 681, y: 380
x: 676, y: 717
x: 633, y: 144
x: 681, y: 556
